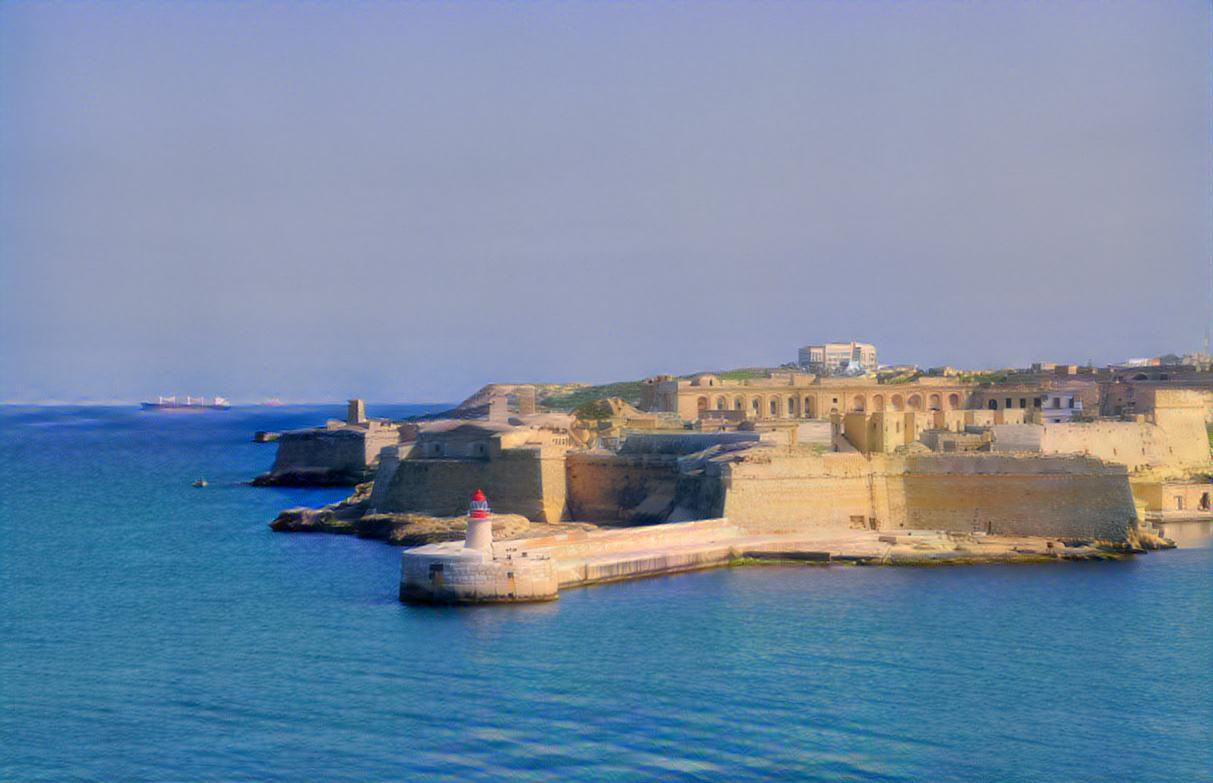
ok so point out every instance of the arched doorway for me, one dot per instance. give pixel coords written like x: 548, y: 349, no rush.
x: 992, y: 405
x: 721, y: 404
x: 877, y: 402
x: 810, y: 408
x: 915, y: 402
x: 739, y: 404
x: 701, y: 404
x: 897, y: 402
x: 935, y: 402
x: 792, y: 407
x: 776, y: 407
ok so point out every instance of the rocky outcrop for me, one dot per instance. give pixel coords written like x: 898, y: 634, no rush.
x: 351, y: 516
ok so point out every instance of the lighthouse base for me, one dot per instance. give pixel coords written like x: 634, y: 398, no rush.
x: 450, y: 573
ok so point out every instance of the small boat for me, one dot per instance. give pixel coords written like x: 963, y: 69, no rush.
x: 172, y: 404
x: 200, y: 483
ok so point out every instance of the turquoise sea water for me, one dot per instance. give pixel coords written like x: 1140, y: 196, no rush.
x: 153, y: 631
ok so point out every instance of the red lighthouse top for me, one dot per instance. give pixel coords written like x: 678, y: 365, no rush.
x: 479, y: 507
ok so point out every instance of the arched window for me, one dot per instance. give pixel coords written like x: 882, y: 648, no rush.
x: 738, y: 404
x: 935, y: 401
x: 877, y: 402
x: 857, y: 403
x: 993, y: 405
x: 915, y: 402
x: 897, y: 402
x: 953, y: 401
x: 721, y: 404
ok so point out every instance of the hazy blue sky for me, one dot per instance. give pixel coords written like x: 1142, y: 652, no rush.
x: 404, y: 201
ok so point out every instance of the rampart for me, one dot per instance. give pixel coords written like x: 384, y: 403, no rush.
x: 335, y: 455
x: 1171, y: 435
x: 527, y: 481
x: 1067, y: 497
x: 628, y: 488
x: 1001, y: 494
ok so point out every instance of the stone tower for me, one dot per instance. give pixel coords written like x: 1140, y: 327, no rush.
x: 356, y: 412
x: 526, y: 400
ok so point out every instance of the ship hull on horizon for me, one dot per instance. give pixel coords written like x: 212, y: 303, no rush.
x: 181, y: 407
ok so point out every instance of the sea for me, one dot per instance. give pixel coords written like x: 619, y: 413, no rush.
x: 154, y: 631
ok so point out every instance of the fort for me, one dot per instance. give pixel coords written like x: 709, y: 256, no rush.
x: 708, y: 470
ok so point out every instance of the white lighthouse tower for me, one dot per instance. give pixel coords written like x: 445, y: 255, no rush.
x: 453, y: 573
x: 480, y: 524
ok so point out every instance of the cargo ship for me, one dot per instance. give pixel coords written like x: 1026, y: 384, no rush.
x: 189, y: 404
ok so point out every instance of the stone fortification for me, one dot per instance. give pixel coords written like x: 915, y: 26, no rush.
x: 1065, y: 497
x: 527, y: 480
x: 1171, y: 435
x: 338, y: 454
x: 1068, y: 497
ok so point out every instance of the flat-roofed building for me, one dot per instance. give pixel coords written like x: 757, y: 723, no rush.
x: 829, y: 358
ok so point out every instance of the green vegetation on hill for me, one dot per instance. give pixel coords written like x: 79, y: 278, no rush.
x: 994, y: 376
x: 741, y: 374
x: 592, y: 411
x: 626, y: 390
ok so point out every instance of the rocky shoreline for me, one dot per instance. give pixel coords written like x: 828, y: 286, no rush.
x: 352, y: 517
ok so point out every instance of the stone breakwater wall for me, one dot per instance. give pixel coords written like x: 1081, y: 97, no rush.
x: 534, y: 569
x: 447, y: 578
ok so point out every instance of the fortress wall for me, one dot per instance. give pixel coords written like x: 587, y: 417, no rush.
x: 376, y: 438
x: 1068, y: 497
x: 1181, y: 442
x: 621, y: 488
x: 790, y: 494
x: 519, y: 481
x: 336, y: 451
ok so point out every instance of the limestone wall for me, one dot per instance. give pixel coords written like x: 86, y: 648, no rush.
x: 527, y: 481
x: 791, y: 494
x: 1182, y: 443
x: 342, y: 452
x: 1014, y: 495
x: 994, y: 493
x: 636, y: 488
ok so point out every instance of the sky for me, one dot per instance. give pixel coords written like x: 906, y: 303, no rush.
x: 404, y: 201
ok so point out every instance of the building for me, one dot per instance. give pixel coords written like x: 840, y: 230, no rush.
x: 831, y: 358
x: 794, y: 395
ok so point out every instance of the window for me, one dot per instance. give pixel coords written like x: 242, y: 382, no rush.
x: 1036, y: 402
x: 1023, y: 402
x: 1010, y: 403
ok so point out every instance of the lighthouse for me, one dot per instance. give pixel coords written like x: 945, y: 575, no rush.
x: 480, y: 524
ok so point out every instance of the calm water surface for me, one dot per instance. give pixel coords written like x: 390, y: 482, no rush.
x: 153, y: 631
